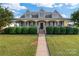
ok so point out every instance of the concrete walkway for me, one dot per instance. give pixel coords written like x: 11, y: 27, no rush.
x: 42, y: 49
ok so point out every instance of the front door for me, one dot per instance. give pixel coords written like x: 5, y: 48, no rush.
x: 41, y: 26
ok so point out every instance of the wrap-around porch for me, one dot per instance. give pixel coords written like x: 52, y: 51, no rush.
x: 41, y: 24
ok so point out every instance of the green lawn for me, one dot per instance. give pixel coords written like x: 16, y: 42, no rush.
x: 18, y: 45
x: 63, y: 45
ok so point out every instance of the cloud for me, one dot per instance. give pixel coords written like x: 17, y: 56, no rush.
x: 66, y: 1
x: 17, y: 16
x: 73, y: 6
x: 13, y: 6
x: 14, y: 11
x: 58, y: 5
x: 40, y: 1
x: 44, y: 5
x: 48, y: 3
x: 54, y: 3
x: 64, y: 16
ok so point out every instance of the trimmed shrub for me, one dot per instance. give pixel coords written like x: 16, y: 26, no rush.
x: 10, y: 30
x: 32, y: 30
x: 25, y: 30
x: 75, y: 30
x: 6, y: 31
x: 69, y: 30
x: 56, y: 30
x: 49, y: 30
x: 18, y: 30
x: 61, y: 30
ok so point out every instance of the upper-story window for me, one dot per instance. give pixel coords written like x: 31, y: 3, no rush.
x: 27, y: 15
x: 41, y: 14
x: 23, y: 16
x: 34, y: 16
x: 48, y: 16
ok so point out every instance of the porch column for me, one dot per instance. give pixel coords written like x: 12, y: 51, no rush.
x: 45, y: 27
x: 19, y: 23
x: 32, y: 23
x: 55, y: 23
x: 51, y: 23
x: 46, y: 24
x: 36, y: 23
x: 27, y: 24
x: 38, y: 26
x: 24, y: 23
x: 62, y: 23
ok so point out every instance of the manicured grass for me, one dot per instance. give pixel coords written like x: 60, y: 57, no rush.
x: 18, y: 45
x: 63, y: 45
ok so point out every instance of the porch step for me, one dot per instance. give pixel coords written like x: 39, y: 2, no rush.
x: 42, y: 32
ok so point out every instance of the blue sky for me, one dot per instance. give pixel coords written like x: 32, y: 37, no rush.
x: 65, y: 9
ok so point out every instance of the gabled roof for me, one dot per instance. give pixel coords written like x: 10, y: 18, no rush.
x: 42, y: 10
x: 27, y: 10
x: 57, y: 13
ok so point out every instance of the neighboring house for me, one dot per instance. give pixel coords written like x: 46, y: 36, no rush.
x: 41, y: 19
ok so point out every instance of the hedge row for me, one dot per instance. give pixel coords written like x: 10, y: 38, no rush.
x: 20, y: 30
x: 33, y: 30
x: 61, y: 30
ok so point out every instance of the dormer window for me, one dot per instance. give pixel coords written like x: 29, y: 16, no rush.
x: 41, y: 14
x: 34, y: 16
x: 23, y: 16
x: 42, y: 10
x: 48, y: 16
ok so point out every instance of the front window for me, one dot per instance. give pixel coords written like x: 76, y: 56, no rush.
x: 31, y: 23
x: 61, y: 23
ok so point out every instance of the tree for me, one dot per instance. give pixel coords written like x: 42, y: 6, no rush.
x: 5, y: 17
x: 75, y: 16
